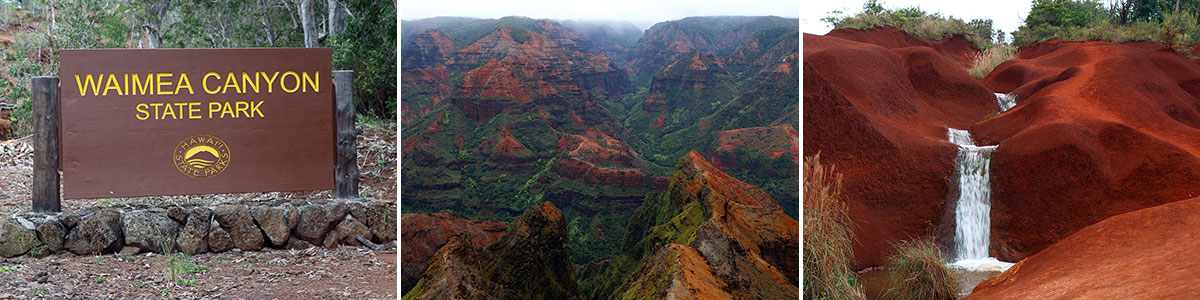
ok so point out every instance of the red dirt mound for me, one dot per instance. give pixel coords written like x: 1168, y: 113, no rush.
x: 1145, y: 254
x: 1100, y: 129
x: 881, y: 115
x: 955, y: 47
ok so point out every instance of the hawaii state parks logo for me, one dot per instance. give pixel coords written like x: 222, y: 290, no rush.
x: 201, y: 156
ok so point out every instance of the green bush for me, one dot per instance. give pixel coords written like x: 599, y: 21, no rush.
x: 368, y: 46
x: 917, y: 270
x: 1090, y: 20
x: 914, y: 20
x: 827, y: 236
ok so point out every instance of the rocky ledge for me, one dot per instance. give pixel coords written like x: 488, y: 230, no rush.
x: 294, y: 224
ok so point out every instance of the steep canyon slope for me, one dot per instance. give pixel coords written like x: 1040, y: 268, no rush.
x: 879, y: 110
x: 502, y: 114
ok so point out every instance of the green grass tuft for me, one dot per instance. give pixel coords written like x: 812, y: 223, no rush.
x: 987, y: 60
x: 917, y: 270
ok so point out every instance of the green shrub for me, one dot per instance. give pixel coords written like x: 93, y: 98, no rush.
x: 930, y: 26
x: 827, y: 236
x: 368, y: 46
x: 988, y: 59
x: 917, y: 270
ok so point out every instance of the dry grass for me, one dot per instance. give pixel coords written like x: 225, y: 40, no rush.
x: 917, y: 270
x: 827, y: 236
x: 987, y: 60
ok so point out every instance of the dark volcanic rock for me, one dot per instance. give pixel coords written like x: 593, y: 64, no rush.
x: 150, y: 231
x: 178, y: 214
x: 193, y: 238
x: 345, y: 233
x: 99, y: 232
x: 17, y: 236
x: 52, y: 233
x: 381, y: 220
x: 274, y: 223
x: 236, y: 220
x: 218, y: 239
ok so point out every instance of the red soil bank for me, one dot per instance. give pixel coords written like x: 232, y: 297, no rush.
x: 1145, y: 254
x: 1100, y: 129
x: 880, y: 115
x: 957, y: 48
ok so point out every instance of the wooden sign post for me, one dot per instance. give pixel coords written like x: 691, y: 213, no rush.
x: 178, y: 121
x: 45, y: 143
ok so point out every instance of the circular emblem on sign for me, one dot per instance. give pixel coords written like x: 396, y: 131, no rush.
x: 201, y: 156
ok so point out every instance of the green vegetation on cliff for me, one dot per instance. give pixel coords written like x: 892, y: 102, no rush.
x: 918, y: 22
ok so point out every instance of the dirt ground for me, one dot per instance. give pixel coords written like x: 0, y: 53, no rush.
x: 313, y: 273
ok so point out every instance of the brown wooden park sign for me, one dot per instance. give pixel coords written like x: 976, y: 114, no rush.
x: 182, y: 121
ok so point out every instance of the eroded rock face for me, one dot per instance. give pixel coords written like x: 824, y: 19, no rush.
x: 1100, y: 129
x: 424, y: 234
x: 1146, y: 254
x: 869, y: 103
x: 99, y: 232
x: 708, y: 235
x: 237, y: 221
x: 150, y: 231
x: 531, y: 261
x: 193, y: 237
x: 17, y: 236
x: 683, y: 273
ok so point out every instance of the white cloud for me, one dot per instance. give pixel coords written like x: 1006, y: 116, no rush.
x: 639, y: 12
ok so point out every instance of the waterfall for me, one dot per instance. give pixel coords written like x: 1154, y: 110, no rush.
x: 1007, y: 101
x: 973, y: 213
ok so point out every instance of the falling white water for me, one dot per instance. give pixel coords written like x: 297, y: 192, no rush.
x: 1007, y: 101
x: 973, y: 213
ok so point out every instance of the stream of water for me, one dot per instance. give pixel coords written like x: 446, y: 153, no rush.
x: 1007, y: 101
x: 972, y: 235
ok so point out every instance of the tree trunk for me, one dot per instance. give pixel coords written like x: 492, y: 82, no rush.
x: 309, y: 24
x: 268, y: 26
x: 337, y: 17
x: 154, y: 40
x: 156, y: 12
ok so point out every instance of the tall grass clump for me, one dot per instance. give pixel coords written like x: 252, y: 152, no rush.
x: 987, y: 60
x: 915, y: 21
x: 827, y: 236
x: 917, y: 270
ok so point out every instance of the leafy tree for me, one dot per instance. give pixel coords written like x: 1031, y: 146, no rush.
x: 368, y: 46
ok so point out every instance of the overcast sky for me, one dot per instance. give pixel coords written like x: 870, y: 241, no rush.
x: 1006, y: 15
x: 642, y: 13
